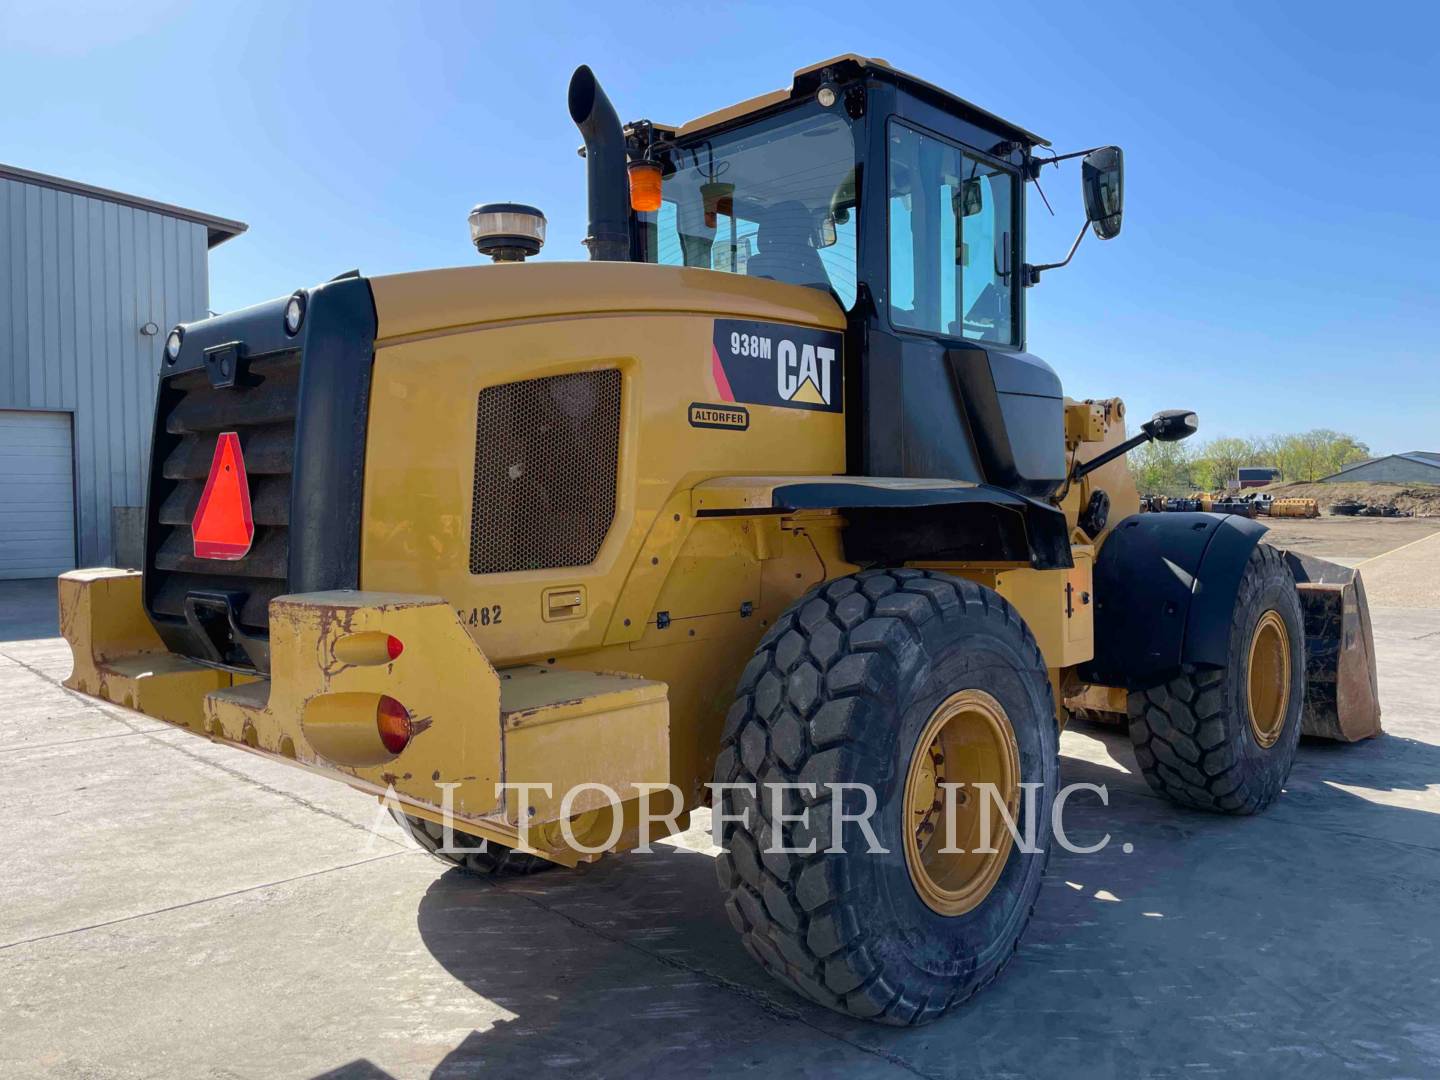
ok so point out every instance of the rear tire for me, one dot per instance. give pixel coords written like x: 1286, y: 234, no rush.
x: 844, y: 689
x: 496, y: 860
x: 1224, y: 739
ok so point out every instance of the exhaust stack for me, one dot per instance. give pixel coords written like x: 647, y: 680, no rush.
x: 609, y: 229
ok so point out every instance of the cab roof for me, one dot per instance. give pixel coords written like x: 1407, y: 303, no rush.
x: 868, y: 65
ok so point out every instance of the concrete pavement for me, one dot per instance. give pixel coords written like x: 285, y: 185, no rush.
x: 1405, y: 576
x: 173, y: 908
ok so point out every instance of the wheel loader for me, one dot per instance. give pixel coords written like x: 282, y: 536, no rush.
x: 764, y: 509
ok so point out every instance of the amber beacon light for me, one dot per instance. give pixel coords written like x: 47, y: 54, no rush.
x: 644, y: 187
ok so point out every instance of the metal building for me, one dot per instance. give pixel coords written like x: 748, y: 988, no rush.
x: 1248, y: 476
x: 1416, y: 467
x: 90, y: 283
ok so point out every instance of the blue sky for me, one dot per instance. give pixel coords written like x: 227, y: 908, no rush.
x: 1277, y: 270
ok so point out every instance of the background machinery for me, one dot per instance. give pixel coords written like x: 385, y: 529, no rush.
x: 1295, y: 508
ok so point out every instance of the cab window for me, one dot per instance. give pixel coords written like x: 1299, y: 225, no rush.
x: 774, y: 199
x: 952, y: 240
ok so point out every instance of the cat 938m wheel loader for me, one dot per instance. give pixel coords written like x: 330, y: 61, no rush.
x: 764, y: 508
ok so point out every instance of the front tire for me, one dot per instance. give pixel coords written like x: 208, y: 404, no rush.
x: 1224, y: 739
x: 859, y: 682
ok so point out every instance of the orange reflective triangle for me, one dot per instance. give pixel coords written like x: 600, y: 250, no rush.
x: 223, y: 526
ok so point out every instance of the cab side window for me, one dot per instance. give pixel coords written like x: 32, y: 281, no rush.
x: 952, y: 259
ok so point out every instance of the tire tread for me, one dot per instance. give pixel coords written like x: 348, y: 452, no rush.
x: 1182, y: 744
x: 802, y: 922
x: 496, y: 860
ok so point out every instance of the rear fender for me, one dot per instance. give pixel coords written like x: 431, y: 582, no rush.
x: 1165, y: 589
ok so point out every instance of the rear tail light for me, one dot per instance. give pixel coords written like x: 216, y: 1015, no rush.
x: 393, y: 721
x: 368, y: 648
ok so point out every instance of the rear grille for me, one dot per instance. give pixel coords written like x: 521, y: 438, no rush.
x: 546, y: 456
x: 193, y: 414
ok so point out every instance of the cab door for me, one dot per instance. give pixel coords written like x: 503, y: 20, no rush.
x: 949, y: 392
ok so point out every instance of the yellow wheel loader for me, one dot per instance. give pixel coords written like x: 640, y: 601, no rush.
x: 764, y: 508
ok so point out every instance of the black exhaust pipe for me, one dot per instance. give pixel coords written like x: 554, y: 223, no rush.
x: 609, y: 184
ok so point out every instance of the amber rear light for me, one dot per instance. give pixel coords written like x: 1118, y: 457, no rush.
x: 393, y: 721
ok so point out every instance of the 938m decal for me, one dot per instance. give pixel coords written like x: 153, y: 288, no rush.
x: 774, y: 364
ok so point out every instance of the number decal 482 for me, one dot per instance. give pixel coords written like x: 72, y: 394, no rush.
x: 488, y: 615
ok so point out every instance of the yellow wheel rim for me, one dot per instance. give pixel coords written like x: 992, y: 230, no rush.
x: 1268, y: 678
x: 969, y: 741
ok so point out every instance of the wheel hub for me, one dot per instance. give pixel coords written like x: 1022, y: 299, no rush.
x: 1268, y: 678
x: 968, y: 740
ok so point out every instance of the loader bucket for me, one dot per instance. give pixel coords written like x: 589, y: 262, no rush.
x: 1341, y: 697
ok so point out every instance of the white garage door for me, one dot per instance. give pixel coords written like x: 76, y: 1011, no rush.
x: 37, y: 494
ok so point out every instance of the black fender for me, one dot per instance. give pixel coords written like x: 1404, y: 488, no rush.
x: 1165, y: 589
x: 888, y: 523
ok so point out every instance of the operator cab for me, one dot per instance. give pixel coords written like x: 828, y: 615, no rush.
x: 905, y: 204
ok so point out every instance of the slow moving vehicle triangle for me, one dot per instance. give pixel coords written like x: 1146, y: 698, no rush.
x: 223, y: 526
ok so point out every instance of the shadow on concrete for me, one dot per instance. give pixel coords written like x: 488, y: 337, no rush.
x: 1279, y: 942
x: 29, y: 609
x: 356, y: 1070
x: 629, y: 969
x: 1323, y: 768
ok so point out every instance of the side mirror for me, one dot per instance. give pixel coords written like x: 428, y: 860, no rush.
x: 1102, y: 182
x: 1172, y: 425
x: 971, y: 198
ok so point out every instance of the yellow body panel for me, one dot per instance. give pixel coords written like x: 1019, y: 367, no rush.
x: 495, y: 325
x: 571, y: 728
x: 431, y: 302
x: 1091, y: 428
x: 1057, y: 606
x: 473, y: 729
x: 439, y: 674
x: 118, y: 655
x: 419, y: 474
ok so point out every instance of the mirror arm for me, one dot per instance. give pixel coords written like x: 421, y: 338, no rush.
x: 1118, y: 450
x: 1171, y: 425
x: 1032, y: 273
x: 1035, y: 164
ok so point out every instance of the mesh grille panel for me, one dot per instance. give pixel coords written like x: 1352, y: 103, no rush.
x: 546, y: 455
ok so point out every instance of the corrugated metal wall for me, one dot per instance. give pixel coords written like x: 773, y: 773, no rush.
x: 79, y: 277
x: 1388, y: 470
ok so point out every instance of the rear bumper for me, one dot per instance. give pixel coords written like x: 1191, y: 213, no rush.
x: 474, y: 729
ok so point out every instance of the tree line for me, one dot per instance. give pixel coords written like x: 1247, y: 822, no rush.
x: 1178, y: 468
